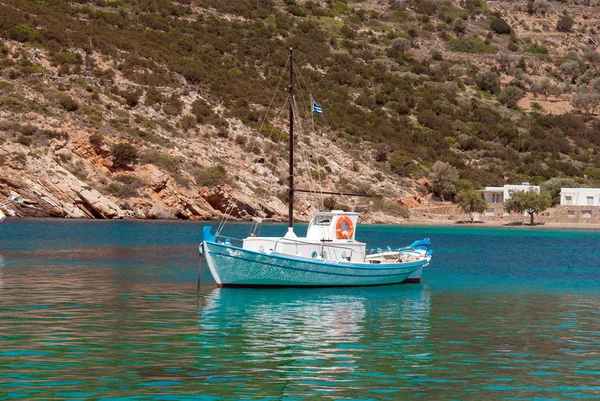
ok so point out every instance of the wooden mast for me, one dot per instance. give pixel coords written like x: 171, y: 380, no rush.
x: 291, y: 156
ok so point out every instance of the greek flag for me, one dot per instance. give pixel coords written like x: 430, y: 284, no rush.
x: 316, y: 108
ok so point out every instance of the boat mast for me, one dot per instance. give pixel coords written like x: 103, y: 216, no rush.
x: 291, y: 160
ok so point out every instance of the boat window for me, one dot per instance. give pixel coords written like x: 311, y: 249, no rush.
x: 323, y: 220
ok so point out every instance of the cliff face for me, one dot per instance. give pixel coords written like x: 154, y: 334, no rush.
x: 133, y: 109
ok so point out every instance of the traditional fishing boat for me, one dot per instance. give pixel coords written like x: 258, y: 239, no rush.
x: 329, y: 255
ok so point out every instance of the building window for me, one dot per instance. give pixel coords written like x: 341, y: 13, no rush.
x: 586, y: 214
x: 590, y: 200
x: 569, y: 199
x: 571, y: 213
x: 489, y: 211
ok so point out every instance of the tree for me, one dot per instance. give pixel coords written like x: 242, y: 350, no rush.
x: 510, y: 96
x: 555, y: 184
x: 571, y: 69
x: 488, y: 81
x: 565, y: 23
x: 401, y: 46
x: 530, y: 202
x: 587, y: 97
x: 443, y: 177
x: 471, y: 202
x: 541, y: 6
x: 541, y: 87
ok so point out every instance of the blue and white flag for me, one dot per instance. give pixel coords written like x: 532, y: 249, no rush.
x: 316, y: 108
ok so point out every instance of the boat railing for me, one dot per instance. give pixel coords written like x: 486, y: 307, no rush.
x: 412, y: 247
x: 371, y: 251
x: 228, y: 240
x: 322, y: 245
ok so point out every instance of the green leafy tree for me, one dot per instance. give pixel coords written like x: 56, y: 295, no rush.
x: 488, y: 81
x: 510, y: 96
x: 530, y: 202
x: 471, y: 202
x: 541, y: 6
x: 565, y: 23
x: 555, y: 184
x: 443, y: 176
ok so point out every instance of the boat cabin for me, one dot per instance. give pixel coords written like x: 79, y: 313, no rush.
x: 332, y: 225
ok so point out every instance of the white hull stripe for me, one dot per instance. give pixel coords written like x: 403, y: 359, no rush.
x: 367, y: 267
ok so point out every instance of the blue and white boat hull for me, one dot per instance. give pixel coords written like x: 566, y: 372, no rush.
x: 237, y: 267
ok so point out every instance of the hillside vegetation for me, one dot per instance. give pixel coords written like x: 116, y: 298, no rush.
x: 160, y: 106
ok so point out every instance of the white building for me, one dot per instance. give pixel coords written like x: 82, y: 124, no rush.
x: 580, y: 197
x: 501, y: 194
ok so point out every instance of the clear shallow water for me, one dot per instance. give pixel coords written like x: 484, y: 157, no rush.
x: 109, y: 310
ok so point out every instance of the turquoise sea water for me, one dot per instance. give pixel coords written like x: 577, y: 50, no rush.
x: 110, y: 311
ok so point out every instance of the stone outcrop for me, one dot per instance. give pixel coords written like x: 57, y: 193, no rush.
x: 240, y: 205
x: 100, y: 205
x: 160, y: 211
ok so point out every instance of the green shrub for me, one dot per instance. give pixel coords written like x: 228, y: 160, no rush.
x: 389, y: 207
x: 173, y: 106
x: 426, y: 7
x: 510, y: 96
x: 488, y: 81
x: 537, y: 50
x: 472, y: 44
x: 25, y: 33
x: 210, y: 176
x: 565, y: 23
x: 402, y: 165
x: 499, y: 26
x: 96, y: 140
x: 121, y: 190
x: 162, y: 160
x: 67, y: 102
x: 124, y: 153
x: 24, y: 140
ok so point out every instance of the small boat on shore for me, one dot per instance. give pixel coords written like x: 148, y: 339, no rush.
x: 328, y: 256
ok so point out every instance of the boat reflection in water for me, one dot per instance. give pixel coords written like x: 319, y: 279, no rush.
x: 2, y: 265
x: 311, y: 337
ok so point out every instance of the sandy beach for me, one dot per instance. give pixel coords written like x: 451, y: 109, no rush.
x: 502, y: 224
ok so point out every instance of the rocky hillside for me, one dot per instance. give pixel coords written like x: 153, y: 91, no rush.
x: 160, y: 109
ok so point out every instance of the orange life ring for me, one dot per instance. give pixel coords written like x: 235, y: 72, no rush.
x: 344, y: 228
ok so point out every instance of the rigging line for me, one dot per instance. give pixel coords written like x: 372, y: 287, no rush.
x: 302, y: 81
x: 367, y: 190
x: 225, y: 218
x: 230, y: 207
x: 264, y: 120
x: 302, y: 84
x: 304, y: 151
x: 279, y: 143
x: 270, y: 135
x: 222, y: 221
x: 274, y: 94
x: 316, y: 182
